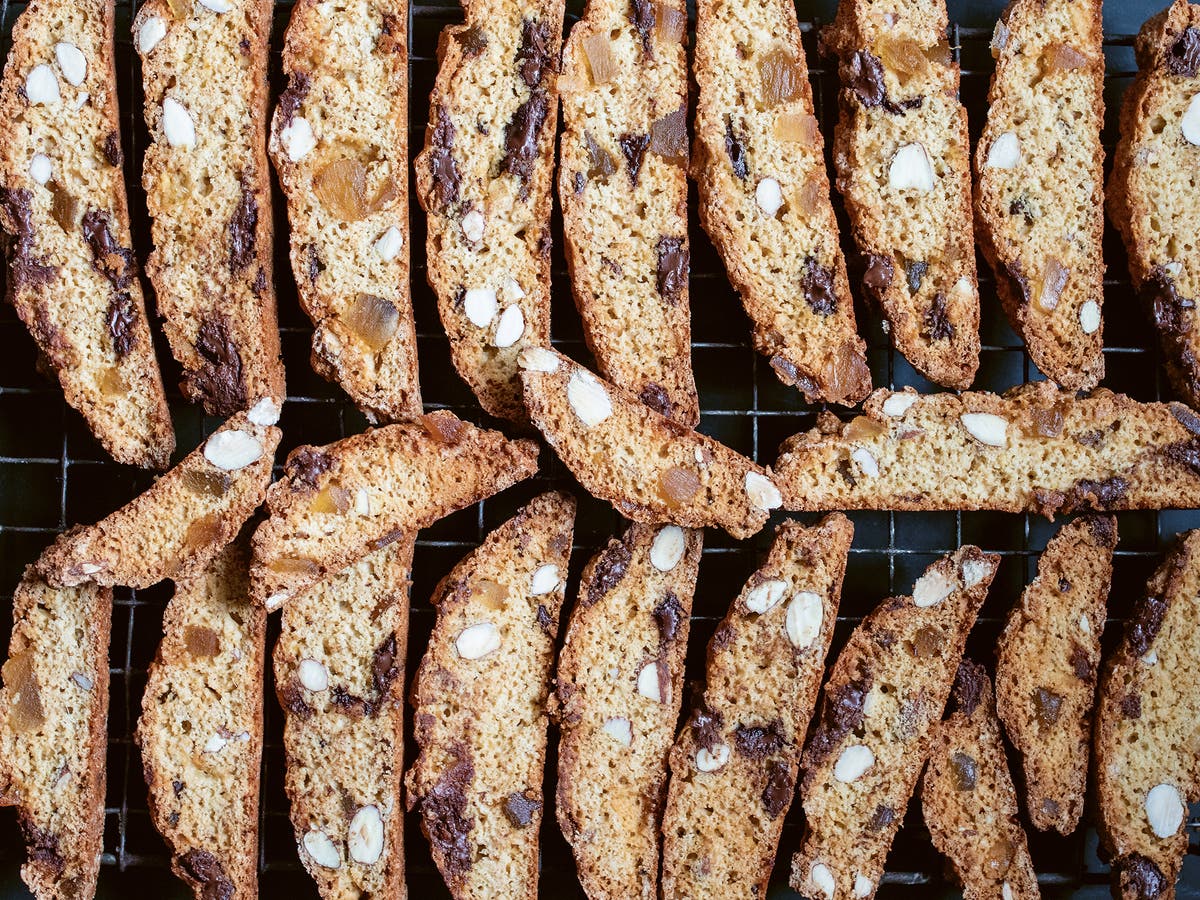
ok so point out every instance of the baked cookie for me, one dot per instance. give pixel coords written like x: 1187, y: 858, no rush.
x: 339, y: 142
x: 764, y: 197
x: 72, y: 276
x: 879, y: 711
x: 201, y: 729
x: 904, y: 169
x: 484, y: 181
x: 650, y: 468
x: 622, y: 183
x: 968, y: 799
x: 620, y: 685
x: 337, y: 503
x: 1047, y: 660
x: 208, y: 191
x: 734, y: 765
x: 1146, y: 732
x: 54, y: 732
x: 1039, y: 193
x: 480, y: 698
x: 1034, y: 449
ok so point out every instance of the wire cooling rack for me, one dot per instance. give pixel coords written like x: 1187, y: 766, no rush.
x: 53, y: 474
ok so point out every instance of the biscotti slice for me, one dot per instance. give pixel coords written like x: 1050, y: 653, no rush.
x: 622, y: 184
x: 480, y: 698
x: 484, y: 181
x: 764, y: 197
x: 879, y: 710
x: 1145, y: 739
x: 1039, y: 196
x: 1047, y: 660
x: 1152, y: 196
x: 904, y: 169
x: 339, y: 675
x: 177, y: 527
x: 335, y: 504
x: 339, y: 141
x: 620, y: 686
x: 208, y: 191
x: 72, y: 275
x: 53, y: 732
x: 646, y: 465
x: 968, y: 799
x: 734, y: 765
x: 201, y: 729
x: 1034, y: 449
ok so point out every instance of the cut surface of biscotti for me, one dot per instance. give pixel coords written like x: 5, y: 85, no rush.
x: 764, y: 197
x: 647, y: 466
x: 622, y: 183
x: 72, y: 273
x: 484, y: 182
x: 337, y: 503
x: 620, y: 685
x: 53, y: 732
x: 734, y: 764
x: 1040, y: 191
x: 1047, y: 661
x: 480, y: 699
x: 176, y: 528
x: 1148, y: 707
x: 201, y: 729
x: 339, y: 675
x: 339, y: 141
x: 1034, y: 449
x: 904, y: 169
x: 968, y: 798
x: 879, y: 709
x: 1152, y: 194
x: 208, y: 191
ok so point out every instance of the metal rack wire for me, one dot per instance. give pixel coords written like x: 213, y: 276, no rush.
x: 53, y: 474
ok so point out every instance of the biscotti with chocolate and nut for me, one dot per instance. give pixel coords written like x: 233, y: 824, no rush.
x: 72, y: 275
x: 650, y: 468
x: 208, y: 191
x: 622, y: 183
x: 480, y: 702
x: 764, y: 197
x: 339, y: 142
x: 734, y: 764
x: 620, y: 685
x: 1034, y: 449
x: 1047, y: 661
x: 201, y: 729
x: 903, y: 162
x: 1039, y: 195
x: 879, y: 711
x: 484, y: 181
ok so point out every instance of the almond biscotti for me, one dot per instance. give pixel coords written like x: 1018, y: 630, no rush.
x: 72, y: 273
x: 208, y: 191
x: 904, y: 169
x: 480, y: 701
x: 1047, y: 661
x: 201, y: 729
x: 620, y: 686
x: 622, y: 183
x: 650, y: 468
x: 339, y: 141
x: 484, y: 181
x: 879, y: 711
x: 764, y: 197
x: 1033, y: 449
x: 1039, y: 194
x: 734, y: 764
